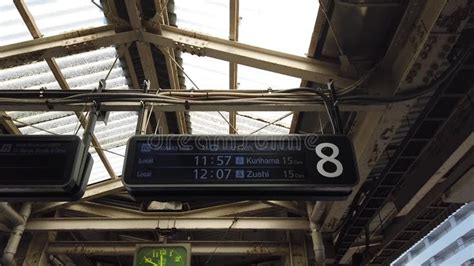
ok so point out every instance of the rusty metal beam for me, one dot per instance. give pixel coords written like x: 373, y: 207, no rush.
x: 180, y: 223
x: 62, y: 45
x: 188, y: 41
x: 205, y: 45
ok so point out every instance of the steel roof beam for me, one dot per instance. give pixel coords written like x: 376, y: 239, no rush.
x: 141, y: 224
x: 222, y: 248
x: 146, y: 59
x: 187, y: 41
x: 230, y: 209
x: 110, y: 11
x: 62, y: 45
x: 205, y: 45
x: 161, y: 18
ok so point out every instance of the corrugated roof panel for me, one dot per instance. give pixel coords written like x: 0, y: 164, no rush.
x: 284, y: 26
x: 209, y: 123
x: 28, y: 77
x: 11, y: 23
x: 82, y: 71
x: 72, y: 15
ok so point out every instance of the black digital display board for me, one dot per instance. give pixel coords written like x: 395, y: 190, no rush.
x: 240, y: 167
x: 47, y: 168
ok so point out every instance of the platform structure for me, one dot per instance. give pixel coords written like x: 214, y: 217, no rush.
x: 402, y: 70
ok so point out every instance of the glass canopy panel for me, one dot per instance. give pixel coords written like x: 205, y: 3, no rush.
x: 57, y: 16
x: 12, y: 28
x: 263, y: 122
x: 261, y: 24
x: 205, y: 16
x: 208, y: 73
x: 284, y: 26
x: 209, y: 123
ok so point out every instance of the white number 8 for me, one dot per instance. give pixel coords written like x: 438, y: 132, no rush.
x: 330, y: 159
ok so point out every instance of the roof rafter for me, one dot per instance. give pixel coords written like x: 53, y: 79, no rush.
x: 146, y: 59
x: 161, y: 18
x: 53, y: 65
x: 203, y: 45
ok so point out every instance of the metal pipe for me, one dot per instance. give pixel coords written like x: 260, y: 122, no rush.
x: 317, y: 211
x: 15, y: 236
x: 11, y: 214
x: 316, y: 236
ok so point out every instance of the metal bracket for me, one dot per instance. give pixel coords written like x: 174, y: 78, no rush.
x: 102, y: 115
x: 143, y: 113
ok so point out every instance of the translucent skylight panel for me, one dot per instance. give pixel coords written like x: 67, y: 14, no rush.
x: 209, y: 123
x: 115, y: 157
x: 257, y: 79
x: 277, y: 25
x: 12, y: 27
x: 206, y: 16
x: 248, y: 124
x: 208, y: 73
x: 58, y: 16
x: 284, y: 26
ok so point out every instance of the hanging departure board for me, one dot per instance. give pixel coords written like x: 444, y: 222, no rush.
x: 43, y: 168
x: 302, y: 166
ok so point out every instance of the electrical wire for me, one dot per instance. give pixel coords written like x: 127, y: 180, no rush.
x: 223, y: 238
x: 82, y: 117
x: 271, y: 123
x: 303, y: 95
x: 54, y: 133
x: 197, y: 87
